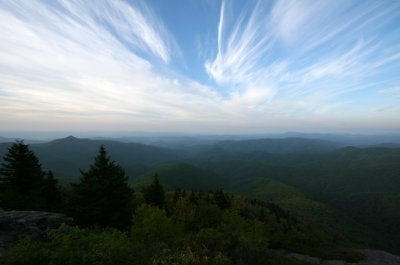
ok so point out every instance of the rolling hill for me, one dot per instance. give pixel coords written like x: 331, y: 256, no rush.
x: 66, y: 156
x: 333, y: 188
x: 278, y: 146
x: 181, y: 175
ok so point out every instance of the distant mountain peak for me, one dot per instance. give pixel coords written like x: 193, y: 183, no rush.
x: 67, y: 139
x: 70, y: 138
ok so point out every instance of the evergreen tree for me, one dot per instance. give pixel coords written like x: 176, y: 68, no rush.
x: 177, y: 194
x: 103, y: 197
x: 222, y: 199
x: 51, y: 191
x: 21, y: 169
x: 154, y: 194
x: 23, y: 183
x: 192, y: 197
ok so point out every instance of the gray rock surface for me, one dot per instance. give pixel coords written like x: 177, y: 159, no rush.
x: 372, y: 257
x: 377, y: 257
x: 14, y: 224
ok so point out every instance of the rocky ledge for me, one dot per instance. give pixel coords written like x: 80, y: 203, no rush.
x: 372, y: 257
x: 14, y: 224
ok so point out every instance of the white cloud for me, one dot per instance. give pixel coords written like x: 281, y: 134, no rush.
x: 329, y: 51
x: 246, y: 43
x: 108, y: 63
x: 70, y: 61
x: 290, y: 18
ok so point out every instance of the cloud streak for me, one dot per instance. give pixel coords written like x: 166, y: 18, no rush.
x: 86, y: 61
x: 273, y: 65
x: 304, y: 55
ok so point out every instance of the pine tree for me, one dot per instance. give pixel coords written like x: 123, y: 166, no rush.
x: 23, y: 183
x: 51, y: 191
x: 193, y: 198
x: 103, y: 197
x: 21, y: 169
x: 154, y: 194
x: 222, y: 199
x: 177, y: 194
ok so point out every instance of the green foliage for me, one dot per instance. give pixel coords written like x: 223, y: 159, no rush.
x: 342, y: 196
x: 222, y: 199
x: 241, y: 240
x: 24, y: 185
x: 184, y: 256
x: 153, y: 232
x: 103, y: 197
x: 72, y: 245
x: 151, y: 225
x: 154, y: 193
x: 26, y: 252
x: 183, y: 232
x: 378, y: 211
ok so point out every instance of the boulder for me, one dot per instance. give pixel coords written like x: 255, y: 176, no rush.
x: 14, y: 224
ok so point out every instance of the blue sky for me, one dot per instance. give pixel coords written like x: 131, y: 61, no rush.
x: 200, y: 66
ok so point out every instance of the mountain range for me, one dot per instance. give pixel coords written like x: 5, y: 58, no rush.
x: 349, y: 191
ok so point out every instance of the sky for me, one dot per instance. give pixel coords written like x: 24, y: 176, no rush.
x: 200, y: 66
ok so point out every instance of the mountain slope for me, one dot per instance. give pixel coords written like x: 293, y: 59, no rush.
x: 181, y: 175
x: 65, y: 157
x: 277, y: 146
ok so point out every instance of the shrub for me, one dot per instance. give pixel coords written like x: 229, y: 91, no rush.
x: 72, y: 245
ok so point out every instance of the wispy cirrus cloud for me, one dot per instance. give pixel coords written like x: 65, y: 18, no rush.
x: 240, y: 48
x: 283, y: 65
x: 310, y: 52
x: 84, y: 62
x: 88, y: 22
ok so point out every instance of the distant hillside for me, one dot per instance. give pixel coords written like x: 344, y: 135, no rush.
x: 349, y: 169
x: 378, y: 211
x: 313, y: 179
x: 250, y: 179
x: 348, y: 139
x: 11, y: 140
x: 65, y: 157
x: 363, y: 184
x: 6, y: 140
x: 277, y: 146
x: 181, y: 175
x: 191, y: 140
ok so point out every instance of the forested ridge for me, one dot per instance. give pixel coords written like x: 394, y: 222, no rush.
x: 228, y: 203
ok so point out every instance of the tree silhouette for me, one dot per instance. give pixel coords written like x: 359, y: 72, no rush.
x: 103, y: 197
x: 52, y: 193
x: 154, y: 194
x: 21, y: 170
x: 222, y: 199
x: 24, y: 185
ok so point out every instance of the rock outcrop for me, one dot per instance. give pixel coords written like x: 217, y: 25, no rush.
x: 14, y: 224
x: 378, y: 257
x: 372, y: 257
